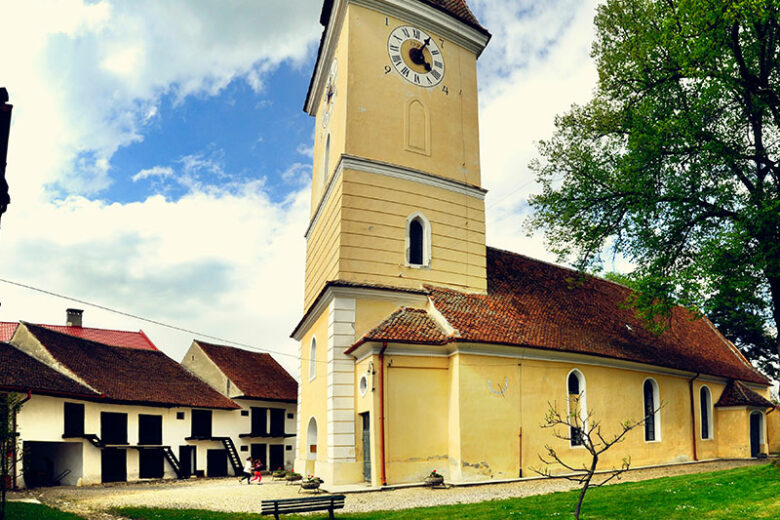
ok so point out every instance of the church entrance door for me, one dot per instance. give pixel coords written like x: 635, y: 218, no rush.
x: 755, y: 433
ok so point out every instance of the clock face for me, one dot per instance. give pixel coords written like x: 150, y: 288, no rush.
x: 415, y: 56
x: 330, y: 94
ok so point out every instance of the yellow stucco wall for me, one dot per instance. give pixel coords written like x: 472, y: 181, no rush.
x: 360, y: 233
x: 373, y: 235
x: 416, y: 417
x: 463, y: 415
x: 378, y: 101
x: 773, y: 431
x: 322, y: 248
x: 313, y: 400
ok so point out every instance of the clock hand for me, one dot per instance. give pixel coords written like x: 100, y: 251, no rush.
x: 425, y: 62
x: 418, y: 56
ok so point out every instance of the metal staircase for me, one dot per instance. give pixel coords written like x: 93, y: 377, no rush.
x: 172, y: 460
x: 235, y: 460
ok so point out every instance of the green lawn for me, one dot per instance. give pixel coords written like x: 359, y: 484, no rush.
x: 24, y: 511
x: 749, y: 492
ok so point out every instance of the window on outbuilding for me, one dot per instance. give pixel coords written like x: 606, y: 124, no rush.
x: 705, y: 402
x: 652, y: 416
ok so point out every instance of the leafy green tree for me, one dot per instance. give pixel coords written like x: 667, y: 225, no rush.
x: 674, y: 163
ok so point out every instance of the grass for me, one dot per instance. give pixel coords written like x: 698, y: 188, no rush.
x: 749, y: 492
x: 25, y: 511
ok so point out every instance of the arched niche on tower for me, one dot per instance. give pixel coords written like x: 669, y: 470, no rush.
x: 417, y: 127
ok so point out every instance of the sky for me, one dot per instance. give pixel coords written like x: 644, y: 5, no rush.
x: 159, y: 158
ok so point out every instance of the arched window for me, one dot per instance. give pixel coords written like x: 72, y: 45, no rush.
x: 313, y: 359
x: 705, y: 402
x: 575, y: 387
x: 326, y: 163
x: 652, y: 413
x: 418, y: 241
x: 311, y: 440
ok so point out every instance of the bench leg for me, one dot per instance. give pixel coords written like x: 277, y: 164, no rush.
x: 330, y: 513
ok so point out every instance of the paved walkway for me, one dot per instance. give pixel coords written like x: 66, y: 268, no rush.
x: 228, y: 495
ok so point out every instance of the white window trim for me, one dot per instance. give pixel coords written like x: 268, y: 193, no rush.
x: 710, y: 421
x: 313, y: 359
x: 583, y: 403
x: 426, y: 225
x: 656, y: 406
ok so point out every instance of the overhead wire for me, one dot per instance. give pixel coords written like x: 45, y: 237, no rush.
x: 198, y: 334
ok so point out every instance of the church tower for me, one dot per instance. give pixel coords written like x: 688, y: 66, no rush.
x: 396, y: 201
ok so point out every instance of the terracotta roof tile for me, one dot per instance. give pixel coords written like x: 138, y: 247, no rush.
x: 458, y: 9
x: 256, y: 374
x: 407, y: 325
x: 22, y: 373
x: 130, y: 375
x: 7, y: 329
x: 117, y: 338
x: 533, y: 303
x: 737, y: 394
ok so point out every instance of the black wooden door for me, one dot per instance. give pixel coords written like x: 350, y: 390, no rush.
x: 150, y: 429
x: 275, y: 457
x: 187, y: 460
x: 755, y: 434
x: 201, y: 424
x: 259, y: 421
x: 366, y: 447
x: 151, y: 463
x: 113, y: 428
x: 259, y: 453
x: 216, y: 463
x: 74, y: 420
x: 113, y: 465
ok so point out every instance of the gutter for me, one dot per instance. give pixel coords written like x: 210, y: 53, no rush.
x: 693, y: 416
x: 383, y: 476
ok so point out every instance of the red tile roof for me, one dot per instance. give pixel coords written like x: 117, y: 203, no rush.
x: 535, y: 304
x: 458, y: 9
x: 7, y: 329
x: 256, y: 374
x: 117, y: 338
x: 737, y: 394
x: 22, y: 373
x: 128, y: 374
x: 413, y: 325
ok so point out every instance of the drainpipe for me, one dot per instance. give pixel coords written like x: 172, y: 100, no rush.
x: 693, y: 416
x: 13, y: 454
x: 383, y: 477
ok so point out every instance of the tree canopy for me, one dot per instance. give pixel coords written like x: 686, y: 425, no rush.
x: 673, y: 164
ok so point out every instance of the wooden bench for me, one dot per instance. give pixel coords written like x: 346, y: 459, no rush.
x: 302, y: 505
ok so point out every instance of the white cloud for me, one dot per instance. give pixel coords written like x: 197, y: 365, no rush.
x: 86, y: 78
x: 155, y: 171
x: 536, y: 65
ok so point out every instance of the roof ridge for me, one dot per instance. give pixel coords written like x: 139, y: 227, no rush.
x: 28, y: 325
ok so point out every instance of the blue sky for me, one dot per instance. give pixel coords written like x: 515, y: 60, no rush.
x: 253, y: 135
x: 160, y: 159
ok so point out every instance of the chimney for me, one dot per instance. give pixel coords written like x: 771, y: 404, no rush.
x: 73, y: 317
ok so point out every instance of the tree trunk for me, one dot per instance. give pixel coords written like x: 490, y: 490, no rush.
x: 591, y: 472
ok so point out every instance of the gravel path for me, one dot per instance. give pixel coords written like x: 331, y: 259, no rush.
x: 228, y: 495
